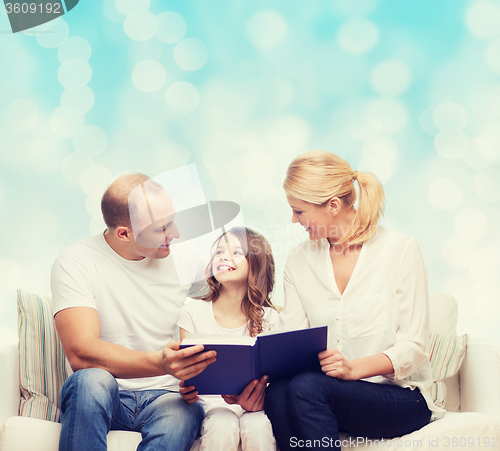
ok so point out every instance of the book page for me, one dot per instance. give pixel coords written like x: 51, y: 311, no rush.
x: 209, y: 339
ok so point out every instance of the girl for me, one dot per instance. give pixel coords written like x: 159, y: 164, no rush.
x: 369, y: 285
x: 240, y: 276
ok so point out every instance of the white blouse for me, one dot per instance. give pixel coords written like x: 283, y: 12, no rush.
x: 384, y: 308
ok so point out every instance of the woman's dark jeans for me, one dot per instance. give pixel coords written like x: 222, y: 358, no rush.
x: 314, y: 406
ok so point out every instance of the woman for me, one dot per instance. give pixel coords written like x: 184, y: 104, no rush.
x: 369, y: 286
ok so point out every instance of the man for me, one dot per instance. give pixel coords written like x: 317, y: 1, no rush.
x: 116, y: 302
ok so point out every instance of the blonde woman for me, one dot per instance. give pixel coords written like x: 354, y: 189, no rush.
x: 369, y: 285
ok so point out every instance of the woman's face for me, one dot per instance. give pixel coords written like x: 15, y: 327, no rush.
x: 317, y: 220
x: 229, y: 263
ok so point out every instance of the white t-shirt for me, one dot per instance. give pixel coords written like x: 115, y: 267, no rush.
x: 198, y: 317
x: 384, y: 308
x: 138, y: 302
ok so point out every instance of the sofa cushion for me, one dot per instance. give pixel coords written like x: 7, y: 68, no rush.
x: 446, y: 354
x: 42, y: 369
x: 455, y: 431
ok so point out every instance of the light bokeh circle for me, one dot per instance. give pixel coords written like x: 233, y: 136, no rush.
x: 55, y: 36
x: 391, y: 112
x: 266, y: 29
x: 21, y: 115
x: 480, y: 153
x: 140, y: 25
x: 458, y: 251
x: 149, y: 76
x: 492, y: 56
x: 74, y: 73
x: 95, y: 178
x: 171, y: 27
x: 483, y: 19
x: 182, y: 97
x: 190, y: 54
x: 73, y: 166
x: 111, y: 11
x: 444, y: 194
x: 451, y: 143
x: 81, y: 98
x: 426, y: 121
x: 363, y: 127
x: 259, y: 166
x: 66, y: 121
x: 91, y: 140
x: 288, y: 135
x: 97, y: 225
x: 390, y: 78
x: 381, y: 170
x: 487, y: 184
x: 74, y: 47
x: 358, y: 36
x: 357, y: 8
x: 471, y: 223
x: 485, y: 263
x: 93, y: 204
x: 259, y: 193
x: 381, y: 148
x: 129, y: 6
x: 450, y: 115
x: 147, y: 50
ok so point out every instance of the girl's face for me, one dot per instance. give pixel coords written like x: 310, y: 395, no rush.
x: 230, y: 264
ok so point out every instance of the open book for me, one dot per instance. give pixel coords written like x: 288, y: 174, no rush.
x: 240, y: 360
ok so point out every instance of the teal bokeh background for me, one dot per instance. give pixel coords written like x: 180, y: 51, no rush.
x: 407, y: 90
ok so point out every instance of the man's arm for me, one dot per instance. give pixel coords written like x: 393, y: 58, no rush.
x: 79, y: 330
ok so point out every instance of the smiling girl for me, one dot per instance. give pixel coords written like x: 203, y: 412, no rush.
x: 240, y: 276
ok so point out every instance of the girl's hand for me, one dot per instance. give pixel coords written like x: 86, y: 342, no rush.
x: 334, y: 364
x: 252, y: 397
x: 188, y: 394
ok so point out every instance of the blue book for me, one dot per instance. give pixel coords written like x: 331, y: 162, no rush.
x: 240, y: 360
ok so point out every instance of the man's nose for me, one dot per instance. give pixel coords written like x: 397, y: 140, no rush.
x: 173, y: 232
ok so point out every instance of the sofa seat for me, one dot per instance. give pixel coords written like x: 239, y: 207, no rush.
x: 476, y: 431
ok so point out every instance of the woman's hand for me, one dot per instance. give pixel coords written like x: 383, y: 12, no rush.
x: 252, y: 397
x: 334, y: 364
x: 189, y: 394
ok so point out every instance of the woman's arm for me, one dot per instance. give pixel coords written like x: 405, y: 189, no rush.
x: 410, y: 347
x: 334, y: 364
x: 293, y: 316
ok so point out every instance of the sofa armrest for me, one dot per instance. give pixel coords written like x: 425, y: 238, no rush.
x: 9, y: 382
x: 480, y: 378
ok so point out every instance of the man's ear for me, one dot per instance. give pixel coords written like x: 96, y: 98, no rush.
x: 334, y: 206
x: 123, y: 233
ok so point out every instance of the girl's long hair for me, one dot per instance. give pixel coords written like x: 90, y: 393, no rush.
x: 260, y: 281
x: 317, y: 176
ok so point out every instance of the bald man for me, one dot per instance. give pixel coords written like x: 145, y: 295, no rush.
x: 116, y: 301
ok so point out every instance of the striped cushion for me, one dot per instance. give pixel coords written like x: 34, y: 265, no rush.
x: 446, y: 354
x: 41, y: 358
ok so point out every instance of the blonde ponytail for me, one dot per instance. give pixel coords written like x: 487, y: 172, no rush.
x: 317, y: 176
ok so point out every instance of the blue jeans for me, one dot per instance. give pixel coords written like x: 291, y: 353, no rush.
x: 314, y: 406
x: 92, y: 405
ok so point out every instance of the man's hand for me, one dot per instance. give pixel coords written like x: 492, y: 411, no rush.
x: 189, y: 394
x: 334, y: 364
x: 252, y: 397
x: 185, y: 363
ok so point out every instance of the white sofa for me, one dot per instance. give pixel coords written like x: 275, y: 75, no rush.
x: 474, y: 391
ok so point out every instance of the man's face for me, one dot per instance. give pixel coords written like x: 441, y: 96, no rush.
x: 155, y: 223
